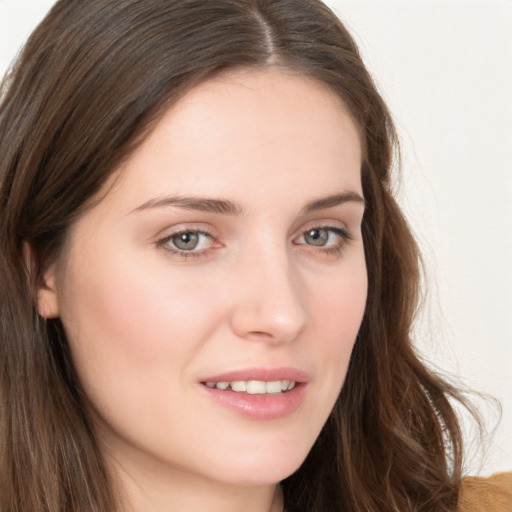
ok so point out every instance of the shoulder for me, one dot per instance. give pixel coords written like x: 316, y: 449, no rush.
x: 492, y: 494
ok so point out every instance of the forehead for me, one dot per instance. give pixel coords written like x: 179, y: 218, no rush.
x: 249, y: 128
x: 254, y: 99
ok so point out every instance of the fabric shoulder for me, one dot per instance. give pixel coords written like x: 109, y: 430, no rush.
x: 492, y: 494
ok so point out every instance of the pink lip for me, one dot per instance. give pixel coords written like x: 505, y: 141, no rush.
x: 266, y: 374
x: 260, y: 407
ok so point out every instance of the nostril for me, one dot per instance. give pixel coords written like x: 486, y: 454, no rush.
x: 260, y: 334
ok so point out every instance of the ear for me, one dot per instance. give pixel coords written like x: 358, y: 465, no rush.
x: 46, y: 298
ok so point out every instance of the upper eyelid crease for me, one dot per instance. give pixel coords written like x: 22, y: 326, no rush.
x: 341, y: 232
x: 227, y: 207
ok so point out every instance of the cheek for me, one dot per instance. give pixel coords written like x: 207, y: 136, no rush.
x: 134, y: 331
x: 339, y: 308
x: 128, y: 326
x: 125, y: 304
x: 110, y: 314
x: 337, y: 314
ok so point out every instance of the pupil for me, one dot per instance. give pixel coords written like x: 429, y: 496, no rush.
x: 186, y: 241
x: 316, y: 237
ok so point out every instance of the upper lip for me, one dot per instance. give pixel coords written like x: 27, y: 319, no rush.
x: 261, y: 374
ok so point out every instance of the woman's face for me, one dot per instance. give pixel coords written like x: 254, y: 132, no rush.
x: 225, y: 266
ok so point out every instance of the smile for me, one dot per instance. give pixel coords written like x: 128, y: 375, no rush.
x: 258, y: 393
x: 254, y: 387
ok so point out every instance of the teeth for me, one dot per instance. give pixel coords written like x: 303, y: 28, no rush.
x: 254, y: 387
x: 239, y: 385
x: 273, y: 387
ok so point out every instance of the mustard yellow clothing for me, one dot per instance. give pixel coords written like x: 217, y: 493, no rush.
x: 492, y: 494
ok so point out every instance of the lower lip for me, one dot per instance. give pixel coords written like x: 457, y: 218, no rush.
x: 260, y: 407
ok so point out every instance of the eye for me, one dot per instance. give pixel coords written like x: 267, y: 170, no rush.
x: 187, y: 242
x: 328, y: 238
x: 317, y: 237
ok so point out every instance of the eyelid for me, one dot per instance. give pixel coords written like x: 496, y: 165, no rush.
x: 339, y: 230
x: 344, y: 238
x: 163, y: 242
x: 326, y: 223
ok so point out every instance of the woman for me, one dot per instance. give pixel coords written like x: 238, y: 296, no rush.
x: 207, y: 285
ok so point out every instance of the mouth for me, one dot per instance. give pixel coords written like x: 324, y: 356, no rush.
x: 259, y: 393
x: 253, y: 387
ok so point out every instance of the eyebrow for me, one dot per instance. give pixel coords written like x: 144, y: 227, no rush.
x: 227, y: 207
x: 333, y: 200
x: 202, y: 204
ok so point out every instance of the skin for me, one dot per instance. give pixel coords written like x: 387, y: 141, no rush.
x: 146, y: 325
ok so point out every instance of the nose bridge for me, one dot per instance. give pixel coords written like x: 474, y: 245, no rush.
x: 268, y: 298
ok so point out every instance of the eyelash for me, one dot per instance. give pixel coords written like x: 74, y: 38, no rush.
x: 164, y: 243
x: 344, y: 238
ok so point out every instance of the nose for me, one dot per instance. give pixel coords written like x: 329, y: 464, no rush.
x: 268, y: 298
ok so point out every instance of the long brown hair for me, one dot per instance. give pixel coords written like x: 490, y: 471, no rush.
x: 89, y: 85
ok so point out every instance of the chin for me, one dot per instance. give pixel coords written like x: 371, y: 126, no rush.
x: 260, y: 467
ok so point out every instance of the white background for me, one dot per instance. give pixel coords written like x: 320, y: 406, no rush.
x: 445, y: 69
